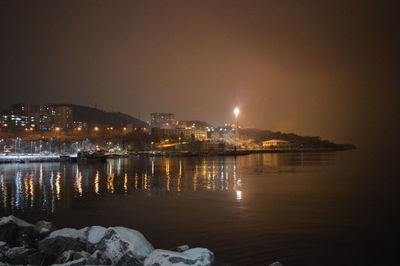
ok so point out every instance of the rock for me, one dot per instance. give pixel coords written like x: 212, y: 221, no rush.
x: 181, y: 248
x: 99, y: 258
x: 71, y: 257
x: 64, y: 257
x: 15, y: 220
x: 35, y: 258
x: 26, y: 238
x: 276, y: 263
x: 16, y: 231
x: 80, y: 234
x: 193, y: 257
x: 57, y: 245
x: 8, y: 232
x: 44, y: 228
x: 77, y: 262
x: 18, y: 255
x: 3, y: 246
x: 129, y: 259
x: 121, y: 245
x: 95, y: 233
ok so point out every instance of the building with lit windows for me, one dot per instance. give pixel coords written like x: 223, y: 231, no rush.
x: 276, y: 144
x: 176, y: 133
x: 63, y: 117
x: 162, y: 120
x: 16, y: 121
x: 44, y: 116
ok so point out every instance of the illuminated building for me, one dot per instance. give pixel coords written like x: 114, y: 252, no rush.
x: 163, y: 120
x: 16, y: 121
x: 44, y: 116
x: 63, y: 116
x: 186, y: 134
x: 276, y: 144
x: 193, y: 124
x: 80, y: 125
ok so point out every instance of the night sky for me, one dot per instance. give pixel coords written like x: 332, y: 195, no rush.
x: 328, y: 68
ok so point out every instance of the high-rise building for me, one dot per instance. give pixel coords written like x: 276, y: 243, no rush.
x: 16, y: 121
x: 20, y: 108
x: 44, y: 116
x: 63, y: 117
x: 163, y: 120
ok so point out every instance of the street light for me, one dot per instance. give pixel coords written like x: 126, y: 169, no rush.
x: 236, y: 112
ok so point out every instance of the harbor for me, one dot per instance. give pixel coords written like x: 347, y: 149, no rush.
x: 89, y: 156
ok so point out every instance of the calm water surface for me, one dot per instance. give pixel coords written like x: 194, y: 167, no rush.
x: 301, y: 209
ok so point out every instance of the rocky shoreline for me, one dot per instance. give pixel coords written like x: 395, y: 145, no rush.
x: 22, y: 243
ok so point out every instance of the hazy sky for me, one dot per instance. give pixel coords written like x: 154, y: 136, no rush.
x: 327, y: 68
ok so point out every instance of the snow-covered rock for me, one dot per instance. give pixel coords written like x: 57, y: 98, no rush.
x: 63, y: 240
x: 16, y: 231
x: 77, y: 262
x: 120, y: 244
x: 56, y: 245
x: 71, y: 257
x: 18, y: 255
x: 193, y: 257
x: 182, y: 248
x: 3, y: 246
x: 80, y: 234
x: 95, y: 234
x: 276, y: 263
x: 44, y: 227
x: 15, y: 220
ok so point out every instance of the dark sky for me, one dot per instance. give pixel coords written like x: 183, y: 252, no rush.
x: 328, y: 68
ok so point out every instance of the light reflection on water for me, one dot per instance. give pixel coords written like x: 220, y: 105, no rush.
x: 42, y: 185
x: 45, y: 187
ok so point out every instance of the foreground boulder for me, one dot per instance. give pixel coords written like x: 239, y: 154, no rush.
x: 16, y: 231
x: 9, y: 227
x: 19, y: 255
x: 193, y: 257
x: 122, y: 245
x: 56, y: 245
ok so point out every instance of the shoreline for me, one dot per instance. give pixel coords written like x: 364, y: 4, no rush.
x: 31, y: 158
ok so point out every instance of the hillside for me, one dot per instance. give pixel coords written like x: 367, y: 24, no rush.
x: 296, y: 140
x: 93, y: 116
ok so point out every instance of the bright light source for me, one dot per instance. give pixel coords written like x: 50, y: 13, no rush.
x: 238, y: 195
x: 96, y: 128
x: 236, y: 111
